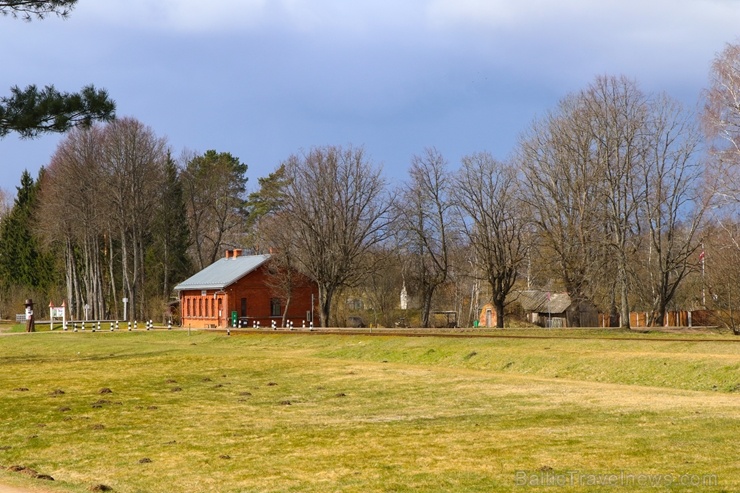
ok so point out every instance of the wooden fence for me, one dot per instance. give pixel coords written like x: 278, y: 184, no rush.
x: 679, y: 318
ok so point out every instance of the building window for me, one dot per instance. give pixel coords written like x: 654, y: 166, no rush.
x: 355, y: 304
x: 275, y: 307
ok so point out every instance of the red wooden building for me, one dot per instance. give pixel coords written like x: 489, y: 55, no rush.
x: 242, y: 287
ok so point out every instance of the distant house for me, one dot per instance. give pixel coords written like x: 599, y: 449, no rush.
x: 548, y: 309
x: 241, y: 287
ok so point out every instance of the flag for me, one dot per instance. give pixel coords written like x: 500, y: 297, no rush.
x: 701, y: 256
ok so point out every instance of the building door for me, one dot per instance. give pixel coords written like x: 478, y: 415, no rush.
x: 220, y: 314
x: 489, y: 318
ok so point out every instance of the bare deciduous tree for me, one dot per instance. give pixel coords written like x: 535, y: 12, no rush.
x: 384, y: 283
x: 721, y: 121
x: 283, y: 277
x: 673, y: 206
x: 424, y: 221
x: 720, y: 284
x: 102, y: 190
x: 487, y: 194
x: 335, y: 213
x: 721, y: 124
x: 73, y: 214
x: 133, y: 165
x: 616, y: 113
x: 561, y: 192
x: 6, y: 202
x: 613, y: 168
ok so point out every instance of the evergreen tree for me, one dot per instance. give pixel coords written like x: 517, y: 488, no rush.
x: 27, y: 9
x: 30, y: 111
x: 167, y: 257
x: 22, y: 261
x: 215, y: 192
x: 265, y: 202
x: 270, y: 197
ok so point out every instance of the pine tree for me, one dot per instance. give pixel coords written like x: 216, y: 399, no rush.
x: 32, y: 111
x: 22, y: 261
x: 215, y: 192
x: 167, y: 257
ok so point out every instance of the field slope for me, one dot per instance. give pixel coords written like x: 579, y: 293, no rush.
x: 173, y: 412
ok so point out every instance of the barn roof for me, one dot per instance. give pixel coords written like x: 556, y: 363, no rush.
x: 537, y: 301
x: 223, y: 272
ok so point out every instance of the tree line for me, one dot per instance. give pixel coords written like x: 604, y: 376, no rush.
x: 616, y: 196
x: 114, y: 216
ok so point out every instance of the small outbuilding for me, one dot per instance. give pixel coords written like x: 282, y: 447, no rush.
x: 487, y: 316
x: 242, y: 290
x: 548, y: 309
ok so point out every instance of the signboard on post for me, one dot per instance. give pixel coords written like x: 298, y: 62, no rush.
x: 57, y: 312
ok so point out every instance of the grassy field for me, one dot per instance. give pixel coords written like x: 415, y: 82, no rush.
x: 202, y: 412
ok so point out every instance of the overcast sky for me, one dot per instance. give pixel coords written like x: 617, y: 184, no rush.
x: 263, y: 79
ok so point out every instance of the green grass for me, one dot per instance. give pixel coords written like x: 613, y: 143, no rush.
x: 316, y: 413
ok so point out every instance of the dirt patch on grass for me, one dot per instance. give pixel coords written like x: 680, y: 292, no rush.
x: 98, y: 487
x: 27, y: 471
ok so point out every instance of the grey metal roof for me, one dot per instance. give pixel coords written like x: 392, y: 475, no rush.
x: 537, y: 301
x: 223, y: 272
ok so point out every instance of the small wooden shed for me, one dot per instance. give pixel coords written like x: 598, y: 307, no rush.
x: 548, y: 309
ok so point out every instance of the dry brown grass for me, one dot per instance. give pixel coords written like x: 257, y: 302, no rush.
x: 366, y: 414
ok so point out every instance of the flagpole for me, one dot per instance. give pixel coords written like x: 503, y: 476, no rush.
x: 703, y: 282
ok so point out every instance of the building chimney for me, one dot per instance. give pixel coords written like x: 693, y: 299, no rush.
x: 237, y: 252
x: 228, y: 254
